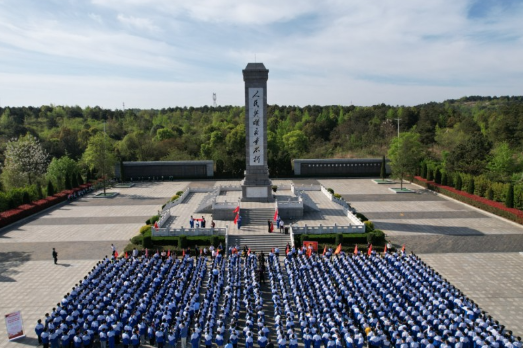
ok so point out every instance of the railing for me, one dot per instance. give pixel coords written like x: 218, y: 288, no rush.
x: 291, y: 234
x: 308, y: 187
x: 164, y: 216
x: 230, y: 188
x: 208, y: 199
x: 289, y: 204
x: 327, y: 229
x: 173, y: 232
x: 180, y: 199
x: 226, y: 252
x: 225, y: 204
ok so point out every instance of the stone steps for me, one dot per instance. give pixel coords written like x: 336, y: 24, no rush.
x: 256, y: 216
x: 261, y: 242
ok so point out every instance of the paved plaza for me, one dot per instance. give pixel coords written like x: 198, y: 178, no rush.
x: 474, y: 250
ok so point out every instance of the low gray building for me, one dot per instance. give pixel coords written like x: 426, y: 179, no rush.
x: 354, y: 167
x: 169, y: 170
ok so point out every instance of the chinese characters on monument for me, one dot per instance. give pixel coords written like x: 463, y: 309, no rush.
x: 256, y: 129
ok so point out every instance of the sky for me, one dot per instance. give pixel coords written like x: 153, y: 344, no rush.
x: 166, y: 53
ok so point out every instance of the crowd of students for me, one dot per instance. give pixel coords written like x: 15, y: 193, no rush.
x: 337, y: 301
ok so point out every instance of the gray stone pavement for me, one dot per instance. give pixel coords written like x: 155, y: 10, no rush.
x: 492, y: 280
x: 82, y: 232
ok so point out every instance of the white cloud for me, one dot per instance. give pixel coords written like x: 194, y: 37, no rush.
x: 138, y: 23
x: 96, y: 18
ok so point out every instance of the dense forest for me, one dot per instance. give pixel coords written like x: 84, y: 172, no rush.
x: 471, y: 135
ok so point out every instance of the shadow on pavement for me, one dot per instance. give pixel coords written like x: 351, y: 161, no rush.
x: 9, y: 261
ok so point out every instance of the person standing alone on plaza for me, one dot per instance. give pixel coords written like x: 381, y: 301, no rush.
x: 55, y: 256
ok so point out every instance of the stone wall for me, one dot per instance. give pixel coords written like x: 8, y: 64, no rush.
x: 358, y: 167
x: 169, y: 170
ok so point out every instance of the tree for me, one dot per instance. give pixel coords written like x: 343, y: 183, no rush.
x: 50, y: 188
x: 469, y: 157
x: 79, y: 179
x: 296, y: 143
x: 383, y: 170
x: 423, y: 171
x: 459, y: 182
x: 61, y: 170
x: 74, y: 181
x: 404, y: 153
x: 502, y: 163
x: 67, y: 182
x: 509, y: 199
x: 437, y: 176
x: 25, y: 161
x: 470, y: 186
x: 100, y: 155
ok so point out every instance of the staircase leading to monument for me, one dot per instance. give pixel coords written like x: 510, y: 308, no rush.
x: 261, y: 242
x: 257, y: 217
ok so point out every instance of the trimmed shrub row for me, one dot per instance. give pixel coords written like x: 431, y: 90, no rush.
x: 146, y: 240
x: 497, y: 208
x: 26, y: 210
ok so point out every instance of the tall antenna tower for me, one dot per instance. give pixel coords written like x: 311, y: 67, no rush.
x: 214, y: 99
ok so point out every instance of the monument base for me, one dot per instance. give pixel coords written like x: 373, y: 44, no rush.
x: 256, y: 193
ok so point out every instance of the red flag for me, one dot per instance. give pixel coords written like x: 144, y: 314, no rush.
x: 217, y: 252
x: 275, y: 215
x: 249, y: 251
x: 370, y: 250
x: 286, y: 250
x: 169, y: 253
x: 324, y: 250
x: 272, y: 227
x: 236, y: 218
x: 338, y: 250
x: 237, y: 209
x: 183, y: 252
x: 403, y: 248
x: 309, y: 252
x: 126, y: 255
x: 385, y: 249
x: 356, y: 250
x: 115, y: 254
x: 146, y: 252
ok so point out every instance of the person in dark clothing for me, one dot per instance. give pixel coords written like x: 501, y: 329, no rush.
x: 55, y: 256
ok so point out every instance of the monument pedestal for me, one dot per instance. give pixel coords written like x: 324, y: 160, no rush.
x: 257, y: 187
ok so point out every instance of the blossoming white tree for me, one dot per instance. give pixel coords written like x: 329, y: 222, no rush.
x: 25, y: 162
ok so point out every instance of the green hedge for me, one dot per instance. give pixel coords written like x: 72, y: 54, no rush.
x: 476, y: 201
x: 152, y: 220
x: 362, y: 217
x: 15, y: 197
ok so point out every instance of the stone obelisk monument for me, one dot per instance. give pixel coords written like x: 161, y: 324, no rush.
x: 256, y: 187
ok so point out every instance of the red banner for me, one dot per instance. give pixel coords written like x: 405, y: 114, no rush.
x: 313, y: 244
